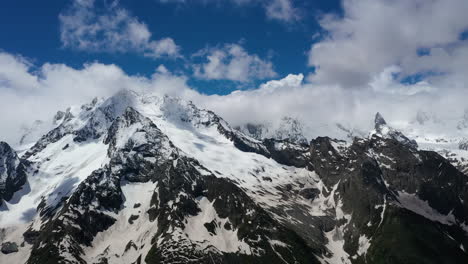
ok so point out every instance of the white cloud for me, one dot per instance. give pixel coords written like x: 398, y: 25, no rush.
x: 375, y: 34
x: 85, y: 26
x: 163, y: 46
x: 280, y: 10
x: 28, y: 93
x: 14, y: 73
x: 385, y: 82
x: 232, y: 62
x: 373, y: 46
x: 321, y: 107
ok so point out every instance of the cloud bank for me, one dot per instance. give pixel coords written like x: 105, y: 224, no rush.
x: 28, y: 93
x: 405, y: 59
x: 422, y: 38
x: 87, y: 26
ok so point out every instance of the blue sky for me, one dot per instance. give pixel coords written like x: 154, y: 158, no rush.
x: 323, y: 62
x: 34, y: 32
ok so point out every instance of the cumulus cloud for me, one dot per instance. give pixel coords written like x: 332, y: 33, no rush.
x: 420, y: 37
x: 279, y: 10
x: 232, y: 62
x: 375, y: 45
x: 14, y: 73
x: 322, y: 107
x: 282, y: 10
x: 29, y: 92
x: 89, y: 27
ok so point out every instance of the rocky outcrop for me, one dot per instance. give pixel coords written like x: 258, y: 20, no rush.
x: 12, y: 172
x: 140, y: 152
x: 463, y: 144
x: 387, y: 187
x: 9, y: 247
x: 384, y: 130
x: 286, y: 129
x: 377, y: 199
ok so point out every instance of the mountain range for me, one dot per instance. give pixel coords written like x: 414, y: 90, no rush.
x: 148, y: 178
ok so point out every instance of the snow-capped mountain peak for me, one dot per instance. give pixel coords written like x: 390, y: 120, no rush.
x: 138, y: 178
x: 384, y: 130
x: 379, y: 121
x: 287, y: 128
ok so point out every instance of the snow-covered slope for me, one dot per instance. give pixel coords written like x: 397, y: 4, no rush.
x: 147, y: 178
x: 94, y: 136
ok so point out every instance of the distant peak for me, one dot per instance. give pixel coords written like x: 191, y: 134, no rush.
x: 379, y: 121
x: 384, y: 130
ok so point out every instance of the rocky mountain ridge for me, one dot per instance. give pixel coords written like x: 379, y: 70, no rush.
x: 154, y: 179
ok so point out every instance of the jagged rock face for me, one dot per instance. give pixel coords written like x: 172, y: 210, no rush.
x: 287, y: 153
x: 140, y: 152
x: 89, y: 122
x: 463, y: 144
x: 12, y: 172
x: 384, y: 130
x: 387, y: 188
x: 291, y: 129
x: 379, y: 122
x: 143, y: 179
x: 287, y: 129
x: 257, y: 131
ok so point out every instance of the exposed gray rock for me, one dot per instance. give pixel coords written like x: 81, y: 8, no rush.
x: 310, y: 193
x: 463, y: 144
x: 384, y: 130
x: 12, y: 172
x: 379, y: 122
x: 180, y: 182
x: 349, y: 193
x: 9, y: 247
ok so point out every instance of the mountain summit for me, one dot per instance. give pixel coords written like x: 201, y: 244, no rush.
x: 379, y: 122
x: 144, y: 178
x: 384, y: 130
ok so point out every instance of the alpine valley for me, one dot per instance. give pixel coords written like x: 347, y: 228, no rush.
x: 147, y: 178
